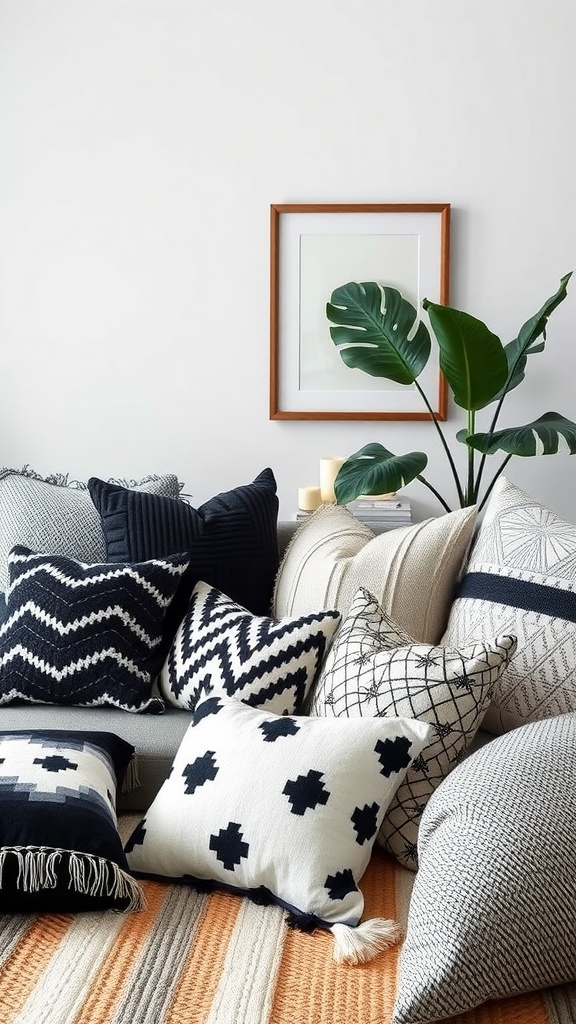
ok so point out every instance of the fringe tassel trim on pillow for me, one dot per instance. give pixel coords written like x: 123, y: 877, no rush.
x: 88, y: 874
x: 360, y: 944
x: 352, y: 944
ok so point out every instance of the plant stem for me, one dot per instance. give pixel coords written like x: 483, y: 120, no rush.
x: 493, y: 481
x: 470, y: 491
x: 423, y: 480
x: 448, y: 454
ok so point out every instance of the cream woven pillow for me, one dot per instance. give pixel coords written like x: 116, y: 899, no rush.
x: 412, y: 571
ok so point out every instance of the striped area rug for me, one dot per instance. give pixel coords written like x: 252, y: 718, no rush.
x: 192, y: 958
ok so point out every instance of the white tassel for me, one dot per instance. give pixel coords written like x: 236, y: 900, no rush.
x: 363, y: 943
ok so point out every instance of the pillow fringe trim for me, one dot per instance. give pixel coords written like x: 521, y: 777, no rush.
x: 89, y: 875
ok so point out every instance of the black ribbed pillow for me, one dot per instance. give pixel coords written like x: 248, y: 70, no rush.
x: 231, y: 540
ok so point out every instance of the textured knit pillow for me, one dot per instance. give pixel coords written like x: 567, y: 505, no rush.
x: 374, y: 668
x: 59, y: 847
x: 282, y: 809
x: 493, y: 908
x: 412, y: 571
x: 231, y: 540
x: 57, y: 519
x: 222, y: 648
x: 521, y: 579
x: 84, y: 634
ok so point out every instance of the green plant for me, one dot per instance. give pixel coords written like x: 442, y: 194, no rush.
x: 378, y: 331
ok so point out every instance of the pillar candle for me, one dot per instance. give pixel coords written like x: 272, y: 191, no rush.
x: 309, y: 499
x: 328, y: 471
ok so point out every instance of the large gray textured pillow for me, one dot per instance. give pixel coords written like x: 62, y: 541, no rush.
x: 55, y: 519
x: 493, y: 908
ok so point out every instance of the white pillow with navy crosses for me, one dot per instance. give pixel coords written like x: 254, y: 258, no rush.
x: 282, y: 808
x: 375, y: 668
x: 220, y: 647
x: 87, y: 635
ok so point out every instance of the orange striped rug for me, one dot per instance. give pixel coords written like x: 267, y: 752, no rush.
x: 192, y: 958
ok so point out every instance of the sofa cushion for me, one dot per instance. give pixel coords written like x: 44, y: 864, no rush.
x: 521, y: 579
x: 84, y: 634
x: 55, y: 518
x: 220, y: 647
x: 493, y: 907
x: 60, y: 850
x: 412, y: 571
x: 375, y: 668
x: 231, y: 540
x: 282, y: 808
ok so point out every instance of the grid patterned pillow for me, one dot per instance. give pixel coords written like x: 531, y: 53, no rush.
x: 493, y: 907
x: 375, y: 669
x: 521, y: 579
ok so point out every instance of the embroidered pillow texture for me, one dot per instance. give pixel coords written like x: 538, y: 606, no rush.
x: 221, y: 647
x: 283, y: 808
x: 60, y: 851
x: 84, y: 634
x: 375, y: 668
x: 521, y: 579
x: 44, y: 515
x: 411, y: 571
x: 231, y: 540
x: 493, y: 907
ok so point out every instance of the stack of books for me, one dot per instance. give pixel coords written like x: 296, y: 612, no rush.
x: 383, y: 512
x: 387, y: 512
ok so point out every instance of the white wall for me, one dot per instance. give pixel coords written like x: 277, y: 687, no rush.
x: 142, y: 143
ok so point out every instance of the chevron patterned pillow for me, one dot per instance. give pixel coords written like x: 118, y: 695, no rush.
x: 221, y: 647
x: 375, y: 668
x: 521, y: 579
x: 84, y: 634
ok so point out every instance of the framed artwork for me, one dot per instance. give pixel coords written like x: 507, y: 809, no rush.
x: 317, y: 248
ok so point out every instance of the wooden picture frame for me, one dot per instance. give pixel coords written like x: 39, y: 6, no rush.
x: 315, y: 248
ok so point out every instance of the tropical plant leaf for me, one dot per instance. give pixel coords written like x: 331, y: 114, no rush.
x: 525, y: 345
x: 549, y: 434
x: 472, y: 359
x: 375, y: 470
x: 378, y: 331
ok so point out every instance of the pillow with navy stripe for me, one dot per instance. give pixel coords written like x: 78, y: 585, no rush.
x: 231, y: 540
x: 221, y: 647
x: 521, y: 579
x: 89, y: 635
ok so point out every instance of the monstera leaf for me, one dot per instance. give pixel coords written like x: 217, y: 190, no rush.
x: 526, y: 343
x: 378, y: 331
x: 375, y: 470
x: 472, y: 359
x: 548, y: 435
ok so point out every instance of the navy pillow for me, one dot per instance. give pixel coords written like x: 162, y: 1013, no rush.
x: 231, y: 540
x: 2, y: 608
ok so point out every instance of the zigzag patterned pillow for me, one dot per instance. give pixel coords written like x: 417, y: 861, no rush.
x: 84, y: 634
x: 375, y: 669
x: 221, y: 647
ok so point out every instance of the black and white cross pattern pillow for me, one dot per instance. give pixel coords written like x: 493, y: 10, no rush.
x: 375, y: 668
x: 287, y: 806
x: 220, y: 647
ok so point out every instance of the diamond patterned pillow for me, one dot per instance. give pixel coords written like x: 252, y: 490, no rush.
x: 521, y: 579
x: 374, y: 668
x: 220, y: 647
x: 282, y: 809
x: 84, y: 634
